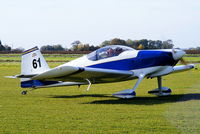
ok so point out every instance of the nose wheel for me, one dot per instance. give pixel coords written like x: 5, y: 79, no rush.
x: 161, y: 91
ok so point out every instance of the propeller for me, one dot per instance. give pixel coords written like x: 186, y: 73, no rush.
x: 178, y: 55
x: 140, y: 47
x: 183, y: 61
x: 174, y: 50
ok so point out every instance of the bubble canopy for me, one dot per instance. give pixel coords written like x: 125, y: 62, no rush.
x: 108, y: 51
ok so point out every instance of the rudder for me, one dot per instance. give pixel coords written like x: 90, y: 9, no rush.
x: 33, y: 62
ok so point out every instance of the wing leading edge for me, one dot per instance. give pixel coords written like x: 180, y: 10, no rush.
x: 183, y: 67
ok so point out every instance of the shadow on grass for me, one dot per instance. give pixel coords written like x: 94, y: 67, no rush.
x: 81, y: 96
x: 152, y: 100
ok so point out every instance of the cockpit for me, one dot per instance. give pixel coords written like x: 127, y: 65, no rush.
x: 107, y: 52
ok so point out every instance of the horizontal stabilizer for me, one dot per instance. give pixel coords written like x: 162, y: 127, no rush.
x: 11, y: 77
x: 21, y: 76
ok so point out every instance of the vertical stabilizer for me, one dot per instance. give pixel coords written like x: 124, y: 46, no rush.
x: 33, y: 62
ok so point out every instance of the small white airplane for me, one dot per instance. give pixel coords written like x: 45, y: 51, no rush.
x: 108, y: 64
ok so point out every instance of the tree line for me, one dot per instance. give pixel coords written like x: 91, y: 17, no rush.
x: 136, y: 44
x: 79, y: 46
x: 140, y: 44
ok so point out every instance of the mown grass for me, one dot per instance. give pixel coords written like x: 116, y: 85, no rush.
x: 73, y: 110
x: 192, y: 59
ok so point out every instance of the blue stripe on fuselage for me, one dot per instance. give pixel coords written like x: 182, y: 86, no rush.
x: 36, y: 83
x: 144, y: 59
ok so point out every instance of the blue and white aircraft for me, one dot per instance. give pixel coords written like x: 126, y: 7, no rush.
x: 113, y: 63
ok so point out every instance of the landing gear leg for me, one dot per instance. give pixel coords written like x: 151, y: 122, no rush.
x: 160, y: 91
x: 129, y: 93
x: 159, y: 78
x: 89, y: 85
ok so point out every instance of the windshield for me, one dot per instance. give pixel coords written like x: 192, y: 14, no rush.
x: 108, y: 51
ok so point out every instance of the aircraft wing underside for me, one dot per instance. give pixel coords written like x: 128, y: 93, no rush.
x: 80, y: 74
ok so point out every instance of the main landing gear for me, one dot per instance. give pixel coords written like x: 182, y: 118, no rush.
x: 129, y: 93
x: 160, y: 91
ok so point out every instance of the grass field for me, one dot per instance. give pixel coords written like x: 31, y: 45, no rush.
x: 73, y: 110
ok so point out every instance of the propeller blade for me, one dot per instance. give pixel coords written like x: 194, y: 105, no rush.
x: 183, y: 61
x: 173, y: 50
x: 140, y: 47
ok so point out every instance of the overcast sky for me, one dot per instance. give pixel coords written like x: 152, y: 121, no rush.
x: 27, y: 23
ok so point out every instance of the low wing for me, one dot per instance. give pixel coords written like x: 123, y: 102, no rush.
x: 170, y: 69
x: 79, y: 74
x: 183, y: 67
